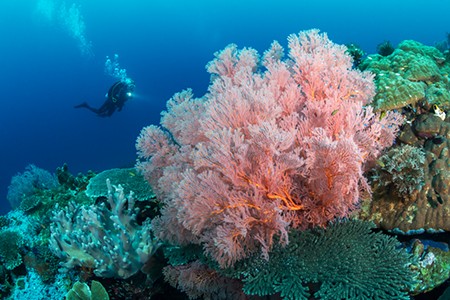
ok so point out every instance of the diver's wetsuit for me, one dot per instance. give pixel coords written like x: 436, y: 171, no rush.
x: 117, y: 95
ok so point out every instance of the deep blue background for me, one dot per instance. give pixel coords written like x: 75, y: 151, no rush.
x: 164, y: 45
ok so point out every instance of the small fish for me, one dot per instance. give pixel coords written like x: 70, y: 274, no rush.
x: 132, y: 174
x: 382, y: 115
x: 381, y: 163
x: 334, y: 112
x: 438, y: 112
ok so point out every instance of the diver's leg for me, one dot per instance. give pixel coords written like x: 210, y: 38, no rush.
x: 86, y: 105
x: 104, y: 110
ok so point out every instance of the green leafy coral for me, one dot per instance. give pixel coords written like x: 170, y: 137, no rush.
x: 81, y: 291
x: 346, y: 261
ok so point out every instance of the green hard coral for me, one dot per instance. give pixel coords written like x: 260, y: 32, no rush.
x: 412, y: 73
x: 346, y: 261
x: 438, y: 93
x: 394, y: 91
x: 129, y: 178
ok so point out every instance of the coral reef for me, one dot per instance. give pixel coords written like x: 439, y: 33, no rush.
x: 25, y: 234
x: 401, y: 169
x: 264, y: 151
x: 426, y: 207
x: 81, y: 291
x: 250, y: 188
x: 347, y: 259
x: 10, y: 254
x: 413, y: 79
x: 26, y: 183
x: 129, y: 179
x: 431, y: 264
x: 410, y: 74
x: 109, y: 240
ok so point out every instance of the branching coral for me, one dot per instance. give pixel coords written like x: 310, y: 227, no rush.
x: 403, y: 167
x: 109, y: 240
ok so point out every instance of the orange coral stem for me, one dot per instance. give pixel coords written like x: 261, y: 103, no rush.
x: 286, y: 198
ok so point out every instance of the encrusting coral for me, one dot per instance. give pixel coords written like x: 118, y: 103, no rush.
x: 424, y: 177
x: 412, y: 73
x: 413, y: 79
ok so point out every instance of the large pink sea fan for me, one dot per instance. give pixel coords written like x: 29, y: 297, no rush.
x: 268, y: 147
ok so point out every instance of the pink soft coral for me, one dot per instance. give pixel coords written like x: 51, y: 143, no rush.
x: 264, y: 149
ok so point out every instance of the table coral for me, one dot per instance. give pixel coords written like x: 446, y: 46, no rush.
x: 130, y: 179
x: 345, y: 261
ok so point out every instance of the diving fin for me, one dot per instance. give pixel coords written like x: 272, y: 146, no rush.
x: 84, y: 104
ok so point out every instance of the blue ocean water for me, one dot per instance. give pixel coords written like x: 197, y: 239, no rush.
x: 53, y: 52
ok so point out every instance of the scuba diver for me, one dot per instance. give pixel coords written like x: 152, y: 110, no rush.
x: 116, y: 97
